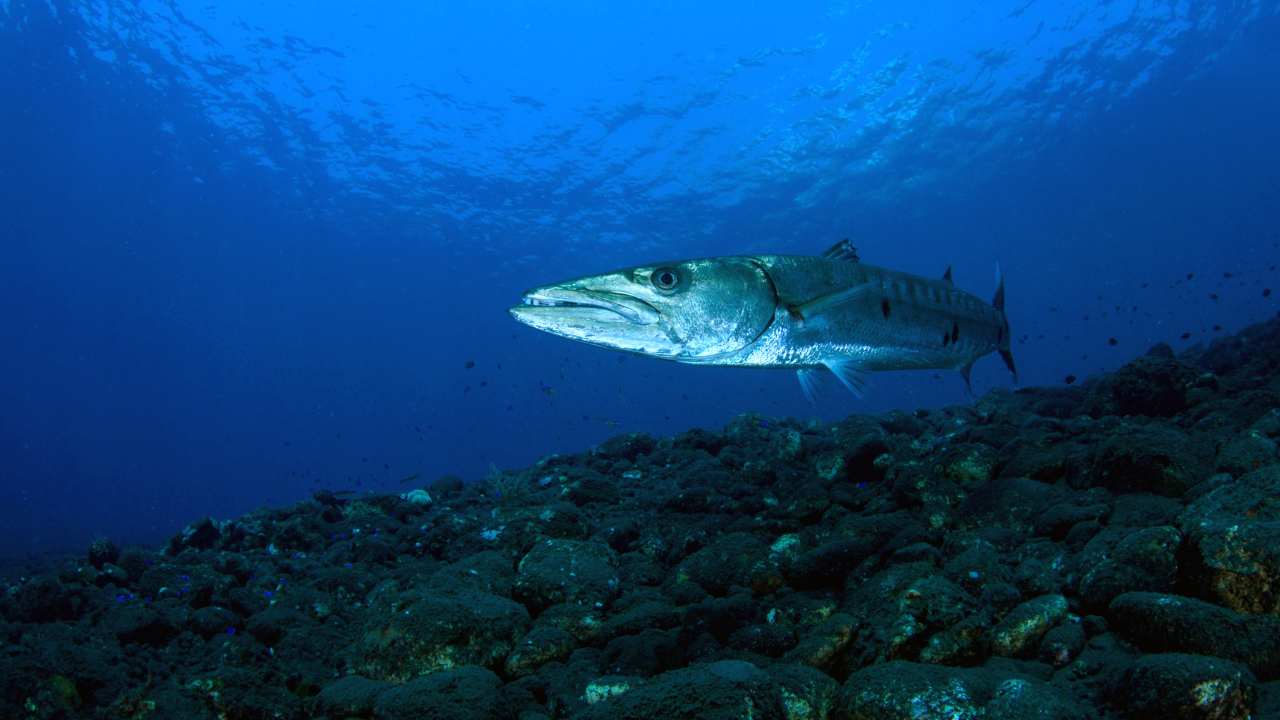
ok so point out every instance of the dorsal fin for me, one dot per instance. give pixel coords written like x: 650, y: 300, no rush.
x: 946, y: 276
x: 843, y: 250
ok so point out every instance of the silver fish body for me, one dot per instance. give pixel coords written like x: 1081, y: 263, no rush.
x: 778, y: 311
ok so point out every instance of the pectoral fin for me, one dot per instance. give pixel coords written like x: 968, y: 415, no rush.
x: 849, y: 373
x: 823, y: 303
x: 809, y: 380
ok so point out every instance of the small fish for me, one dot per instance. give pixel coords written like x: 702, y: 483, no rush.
x: 1112, y: 341
x: 779, y: 311
x: 410, y: 478
x: 1070, y: 379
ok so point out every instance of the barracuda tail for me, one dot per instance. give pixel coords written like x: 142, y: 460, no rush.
x: 998, y: 301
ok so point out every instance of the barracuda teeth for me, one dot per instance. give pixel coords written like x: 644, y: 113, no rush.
x: 540, y: 303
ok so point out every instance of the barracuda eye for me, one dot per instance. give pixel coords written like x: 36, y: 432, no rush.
x: 665, y: 279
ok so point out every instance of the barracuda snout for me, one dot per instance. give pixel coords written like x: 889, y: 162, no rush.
x: 685, y: 311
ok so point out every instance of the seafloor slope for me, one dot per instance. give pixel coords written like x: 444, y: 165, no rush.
x: 1104, y: 551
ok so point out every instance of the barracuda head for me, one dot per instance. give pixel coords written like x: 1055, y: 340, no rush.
x: 693, y: 311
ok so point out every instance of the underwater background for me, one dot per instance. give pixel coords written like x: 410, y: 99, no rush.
x: 255, y: 250
x: 273, y: 448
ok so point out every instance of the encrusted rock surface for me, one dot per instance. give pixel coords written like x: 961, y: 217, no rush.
x: 1109, y: 550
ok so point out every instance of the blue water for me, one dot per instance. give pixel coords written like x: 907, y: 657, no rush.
x: 255, y: 249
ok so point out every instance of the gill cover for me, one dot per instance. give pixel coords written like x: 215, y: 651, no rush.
x: 718, y: 306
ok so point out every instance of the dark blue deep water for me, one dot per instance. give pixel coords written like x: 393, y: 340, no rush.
x: 249, y: 250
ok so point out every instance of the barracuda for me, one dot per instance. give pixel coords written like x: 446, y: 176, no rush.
x: 779, y: 311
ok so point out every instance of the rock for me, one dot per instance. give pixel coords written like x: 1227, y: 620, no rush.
x: 967, y: 464
x: 1142, y: 560
x: 1020, y: 631
x: 270, y: 625
x: 1154, y: 385
x: 352, y: 695
x: 1172, y: 623
x: 440, y: 633
x: 806, y: 693
x: 138, y: 623
x: 200, y: 535
x: 1063, y: 643
x: 585, y: 623
x: 823, y: 646
x: 626, y: 447
x: 857, y: 539
x: 657, y: 613
x: 539, y: 646
x: 860, y: 441
x: 101, y: 552
x: 462, y: 693
x: 486, y: 572
x: 1057, y: 520
x: 1010, y: 502
x: 1234, y: 536
x: 1189, y: 687
x: 567, y: 571
x: 1151, y: 458
x: 907, y: 610
x: 724, y: 690
x: 44, y: 599
x: 417, y: 496
x: 1246, y: 453
x: 213, y: 620
x: 733, y: 559
x: 902, y: 690
x: 1143, y: 510
x: 643, y: 655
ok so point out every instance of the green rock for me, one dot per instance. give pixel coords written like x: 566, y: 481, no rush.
x: 352, y: 695
x: 902, y: 690
x: 1189, y: 687
x: 1020, y: 631
x: 806, y: 693
x: 823, y: 646
x: 1246, y: 453
x: 567, y: 571
x: 541, y: 645
x: 724, y: 690
x: 463, y: 693
x: 440, y: 633
x: 1160, y: 623
x: 1234, y: 535
x: 1142, y: 560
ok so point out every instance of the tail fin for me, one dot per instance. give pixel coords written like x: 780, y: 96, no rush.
x: 1004, y: 339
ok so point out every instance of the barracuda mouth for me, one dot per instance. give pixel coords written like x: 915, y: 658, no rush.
x: 564, y: 304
